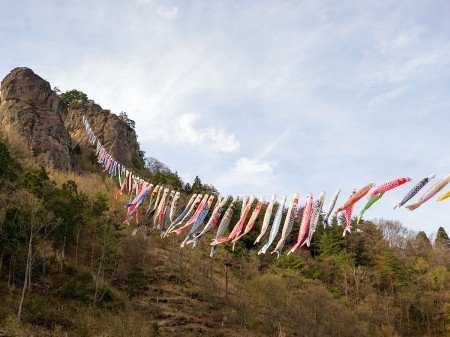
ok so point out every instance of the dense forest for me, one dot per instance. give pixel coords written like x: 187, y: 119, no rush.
x: 70, y: 267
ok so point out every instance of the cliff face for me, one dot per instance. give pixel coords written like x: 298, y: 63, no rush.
x: 116, y: 136
x: 32, y: 114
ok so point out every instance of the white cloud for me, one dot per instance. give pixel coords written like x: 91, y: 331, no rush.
x: 169, y: 13
x: 189, y: 132
x: 253, y: 167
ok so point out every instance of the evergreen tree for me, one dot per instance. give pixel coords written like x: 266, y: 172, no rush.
x: 442, y: 238
x: 197, y: 186
x: 123, y: 116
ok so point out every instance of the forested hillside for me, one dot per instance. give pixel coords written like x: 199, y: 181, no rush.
x: 70, y: 267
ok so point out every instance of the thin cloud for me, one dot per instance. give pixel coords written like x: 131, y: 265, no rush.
x: 401, y: 40
x: 390, y: 95
x: 168, y: 13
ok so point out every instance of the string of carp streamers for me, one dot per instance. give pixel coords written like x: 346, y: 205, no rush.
x: 164, y: 203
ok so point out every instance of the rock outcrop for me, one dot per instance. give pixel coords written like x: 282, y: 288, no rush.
x: 33, y: 115
x: 118, y: 138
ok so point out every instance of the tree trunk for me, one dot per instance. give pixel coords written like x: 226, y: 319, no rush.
x: 100, y: 267
x: 27, y: 268
x: 10, y: 269
x: 76, y: 247
x: 63, y: 248
x: 92, y: 249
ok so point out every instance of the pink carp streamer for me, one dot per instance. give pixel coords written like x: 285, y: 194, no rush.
x: 237, y: 228
x: 266, y: 220
x: 389, y: 186
x: 430, y: 193
x: 244, y: 203
x: 304, y: 222
x: 182, y: 215
x: 199, y: 220
x: 193, y: 217
x: 251, y: 221
x: 315, y: 213
x: 224, y: 224
x: 288, y: 224
x: 444, y: 196
x: 348, y: 215
x: 355, y: 197
x: 212, y: 222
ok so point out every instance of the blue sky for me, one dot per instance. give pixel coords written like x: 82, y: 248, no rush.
x: 261, y: 97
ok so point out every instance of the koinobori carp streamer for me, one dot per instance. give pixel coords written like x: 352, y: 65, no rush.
x: 224, y: 224
x: 212, y: 222
x: 330, y: 208
x: 430, y: 193
x: 369, y: 203
x: 315, y: 212
x: 355, y: 197
x: 389, y: 186
x: 275, y: 226
x: 304, y: 222
x: 288, y: 224
x: 252, y: 220
x: 348, y: 215
x: 266, y: 219
x: 237, y: 228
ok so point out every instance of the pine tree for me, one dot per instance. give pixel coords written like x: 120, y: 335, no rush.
x: 442, y: 238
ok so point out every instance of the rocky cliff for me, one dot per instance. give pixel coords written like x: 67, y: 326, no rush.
x: 118, y: 138
x: 33, y: 115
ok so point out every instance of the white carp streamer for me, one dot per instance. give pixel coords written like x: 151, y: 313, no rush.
x: 275, y: 226
x: 266, y: 220
x: 288, y: 224
x: 181, y: 216
x: 330, y: 208
x: 315, y: 213
x: 173, y: 206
